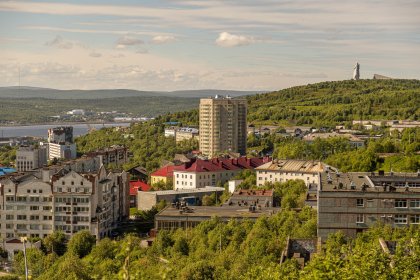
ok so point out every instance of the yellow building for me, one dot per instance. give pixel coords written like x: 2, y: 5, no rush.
x: 163, y: 175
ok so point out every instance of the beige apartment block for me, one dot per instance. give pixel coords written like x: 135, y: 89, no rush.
x: 284, y: 170
x: 223, y: 125
x: 39, y: 203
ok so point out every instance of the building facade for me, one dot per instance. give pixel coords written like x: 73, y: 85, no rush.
x: 36, y: 204
x: 353, y: 202
x: 146, y: 200
x: 61, y: 143
x: 186, y: 133
x: 200, y: 173
x: 115, y: 154
x: 61, y: 151
x: 29, y: 158
x: 222, y: 125
x: 285, y: 170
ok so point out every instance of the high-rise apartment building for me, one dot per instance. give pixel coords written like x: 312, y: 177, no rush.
x: 223, y: 125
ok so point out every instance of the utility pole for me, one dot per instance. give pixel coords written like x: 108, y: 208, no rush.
x: 23, y: 239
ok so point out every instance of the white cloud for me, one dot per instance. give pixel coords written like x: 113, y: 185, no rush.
x: 163, y: 39
x: 226, y: 39
x: 128, y: 40
x: 60, y: 43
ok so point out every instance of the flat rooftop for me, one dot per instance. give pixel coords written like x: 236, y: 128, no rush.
x: 292, y: 165
x: 370, y: 182
x: 219, y: 211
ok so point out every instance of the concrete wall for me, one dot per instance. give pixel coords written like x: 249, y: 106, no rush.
x: 338, y: 210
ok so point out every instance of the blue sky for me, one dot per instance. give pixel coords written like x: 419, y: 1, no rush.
x: 173, y: 45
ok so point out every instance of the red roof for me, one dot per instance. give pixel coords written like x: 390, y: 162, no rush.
x: 221, y: 164
x: 166, y: 171
x: 135, y: 186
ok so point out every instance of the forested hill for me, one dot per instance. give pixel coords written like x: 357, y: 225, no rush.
x: 330, y: 103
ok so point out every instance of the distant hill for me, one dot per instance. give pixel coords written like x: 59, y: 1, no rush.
x: 330, y: 103
x: 35, y: 92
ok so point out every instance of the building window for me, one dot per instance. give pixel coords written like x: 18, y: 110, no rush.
x: 415, y: 204
x: 360, y: 219
x: 62, y: 182
x: 415, y: 219
x: 360, y: 202
x: 369, y: 202
x: 401, y: 203
x: 40, y: 191
x: 29, y: 191
x: 400, y: 219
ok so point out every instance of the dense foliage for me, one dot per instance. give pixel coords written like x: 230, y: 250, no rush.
x: 146, y: 141
x: 237, y: 250
x: 7, y: 155
x: 330, y: 103
x: 398, y: 151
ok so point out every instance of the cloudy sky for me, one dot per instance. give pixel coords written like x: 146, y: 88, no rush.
x: 172, y: 45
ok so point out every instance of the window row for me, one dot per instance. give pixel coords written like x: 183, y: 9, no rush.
x: 398, y: 203
x: 398, y: 219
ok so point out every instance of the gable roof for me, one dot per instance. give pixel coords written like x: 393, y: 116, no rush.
x: 135, y: 186
x: 166, y: 171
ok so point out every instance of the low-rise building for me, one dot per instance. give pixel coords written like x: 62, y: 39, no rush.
x: 29, y: 158
x: 172, y: 218
x: 136, y: 186
x: 289, y: 169
x: 164, y: 175
x: 353, y: 202
x: 170, y: 132
x: 199, y: 173
x: 257, y: 198
x: 146, y: 200
x: 186, y: 133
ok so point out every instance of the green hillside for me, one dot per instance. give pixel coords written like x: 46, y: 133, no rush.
x: 329, y: 103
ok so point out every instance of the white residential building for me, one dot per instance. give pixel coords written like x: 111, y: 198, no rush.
x: 284, y: 170
x: 64, y: 151
x: 201, y: 173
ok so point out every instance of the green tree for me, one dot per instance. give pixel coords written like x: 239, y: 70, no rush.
x: 81, y: 243
x: 55, y: 242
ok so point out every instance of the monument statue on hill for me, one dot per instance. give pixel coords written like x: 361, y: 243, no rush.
x: 356, y: 72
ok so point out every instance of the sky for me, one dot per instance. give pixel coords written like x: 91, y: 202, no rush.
x: 232, y: 44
